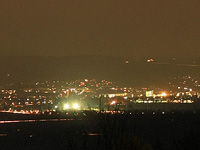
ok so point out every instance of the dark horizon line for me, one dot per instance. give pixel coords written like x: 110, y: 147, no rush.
x: 142, y: 59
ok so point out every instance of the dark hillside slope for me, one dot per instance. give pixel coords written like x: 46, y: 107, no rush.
x: 26, y: 69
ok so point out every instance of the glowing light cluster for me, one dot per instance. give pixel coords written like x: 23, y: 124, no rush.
x: 67, y: 106
x: 164, y: 94
x: 113, y: 102
x: 75, y: 106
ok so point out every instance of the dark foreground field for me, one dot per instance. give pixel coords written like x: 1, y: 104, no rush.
x: 129, y: 131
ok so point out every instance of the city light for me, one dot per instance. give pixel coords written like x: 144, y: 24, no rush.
x: 164, y: 94
x: 66, y: 106
x: 113, y: 102
x: 76, y: 106
x: 124, y: 97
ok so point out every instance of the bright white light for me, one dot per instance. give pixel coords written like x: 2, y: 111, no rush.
x: 150, y: 60
x: 164, y: 94
x: 75, y: 106
x: 56, y: 107
x: 113, y: 102
x: 111, y: 95
x: 66, y: 106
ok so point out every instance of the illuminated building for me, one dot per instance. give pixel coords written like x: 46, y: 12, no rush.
x: 149, y: 93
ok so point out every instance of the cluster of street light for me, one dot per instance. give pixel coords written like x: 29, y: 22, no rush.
x: 74, y: 106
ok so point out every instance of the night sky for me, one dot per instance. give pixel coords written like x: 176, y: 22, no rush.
x: 133, y: 29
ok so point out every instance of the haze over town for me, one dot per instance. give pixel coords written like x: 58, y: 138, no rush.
x: 114, y: 75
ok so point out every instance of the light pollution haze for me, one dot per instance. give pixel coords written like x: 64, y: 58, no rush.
x: 133, y: 29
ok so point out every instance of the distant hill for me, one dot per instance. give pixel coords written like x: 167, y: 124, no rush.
x: 28, y: 69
